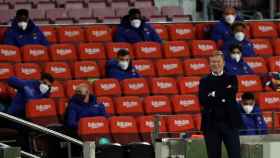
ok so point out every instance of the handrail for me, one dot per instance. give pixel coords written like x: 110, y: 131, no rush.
x: 41, y: 128
x: 22, y: 152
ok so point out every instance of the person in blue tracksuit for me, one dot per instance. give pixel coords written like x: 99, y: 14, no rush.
x: 133, y: 29
x: 239, y: 37
x: 253, y: 121
x: 27, y: 90
x: 235, y: 65
x: 23, y: 31
x: 83, y: 104
x: 121, y: 67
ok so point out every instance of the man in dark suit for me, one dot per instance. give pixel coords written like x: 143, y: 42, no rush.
x: 220, y: 115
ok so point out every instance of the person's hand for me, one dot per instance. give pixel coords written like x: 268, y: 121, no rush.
x: 212, y: 94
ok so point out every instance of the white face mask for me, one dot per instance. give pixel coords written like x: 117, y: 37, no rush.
x: 239, y: 36
x: 44, y: 88
x: 236, y: 57
x: 124, y: 65
x: 22, y: 25
x: 136, y: 23
x: 248, y: 108
x: 230, y: 19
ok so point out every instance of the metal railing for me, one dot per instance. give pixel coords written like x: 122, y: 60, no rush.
x: 23, y: 153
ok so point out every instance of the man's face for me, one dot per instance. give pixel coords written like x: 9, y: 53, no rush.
x: 22, y: 18
x: 239, y: 29
x: 125, y: 58
x: 248, y: 102
x: 229, y: 11
x: 216, y: 64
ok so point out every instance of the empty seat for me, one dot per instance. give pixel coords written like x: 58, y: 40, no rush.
x: 181, y: 32
x: 37, y: 14
x: 269, y: 100
x: 135, y: 86
x: 34, y: 53
x: 143, y: 3
x: 42, y: 112
x: 104, y: 13
x: 6, y: 71
x: 97, y: 4
x: 63, y: 52
x: 120, y: 12
x: 164, y: 85
x: 129, y: 105
x: 74, y: 4
x: 108, y: 103
x: 189, y: 85
x: 161, y: 30
x: 257, y: 64
x: 57, y: 14
x: 197, y: 121
x: 44, y: 5
x: 144, y: 67
x: 70, y: 34
x: 94, y: 128
x: 78, y: 14
x: 120, y: 3
x: 274, y: 63
x: 22, y: 5
x: 86, y: 69
x: 91, y: 51
x: 3, y: 88
x: 263, y: 29
x: 203, y: 30
x: 151, y: 12
x: 28, y: 71
x: 9, y: 53
x: 59, y: 70
x: 147, y: 50
x: 176, y: 49
x: 268, y: 118
x: 249, y: 83
x: 157, y: 104
x: 197, y: 66
x: 107, y: 87
x: 50, y: 33
x: 124, y: 129
x: 4, y: 6
x: 173, y: 11
x: 112, y: 48
x: 99, y: 33
x: 179, y: 123
x: 185, y: 104
x: 169, y: 67
x: 276, y: 45
x: 262, y: 47
x: 6, y: 15
x: 203, y: 48
x: 71, y: 86
x: 57, y: 90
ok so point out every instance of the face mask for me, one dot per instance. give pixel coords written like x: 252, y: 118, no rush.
x: 230, y: 19
x: 248, y: 108
x: 236, y: 57
x: 44, y: 88
x: 239, y: 36
x: 124, y: 65
x: 136, y: 23
x: 22, y: 25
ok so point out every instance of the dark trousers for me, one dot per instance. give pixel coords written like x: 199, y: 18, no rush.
x: 222, y: 133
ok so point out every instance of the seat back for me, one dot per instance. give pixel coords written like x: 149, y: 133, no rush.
x: 269, y: 100
x: 262, y: 47
x: 161, y: 30
x: 6, y: 71
x: 9, y: 53
x: 164, y: 85
x: 86, y: 69
x: 50, y: 33
x: 107, y: 87
x: 129, y: 105
x: 34, y: 53
x: 100, y: 33
x: 169, y: 67
x: 197, y: 66
x: 57, y: 90
x: 63, y: 52
x: 181, y: 32
x: 189, y: 85
x: 203, y: 48
x: 257, y: 64
x: 91, y: 51
x: 176, y: 49
x: 157, y: 104
x: 112, y: 49
x: 71, y: 86
x: 179, y: 123
x: 274, y: 63
x: 108, y: 103
x: 59, y: 70
x: 147, y: 50
x: 185, y: 104
x: 135, y: 86
x: 28, y: 71
x: 70, y: 34
x: 263, y: 29
x: 249, y: 83
x: 144, y: 67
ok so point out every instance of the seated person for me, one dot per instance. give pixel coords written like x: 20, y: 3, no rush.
x: 27, y: 90
x: 82, y: 104
x: 253, y: 121
x: 121, y: 68
x: 133, y: 28
x: 235, y: 65
x: 272, y: 81
x: 23, y: 31
x: 239, y: 37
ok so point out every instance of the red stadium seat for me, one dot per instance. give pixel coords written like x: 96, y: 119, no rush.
x: 185, y: 104
x: 169, y: 67
x: 257, y: 64
x: 203, y: 30
x: 63, y: 52
x: 176, y: 49
x: 98, y: 33
x: 268, y: 118
x: 108, y: 103
x: 157, y: 104
x: 147, y: 50
x: 164, y: 85
x: 59, y: 70
x: 57, y: 90
x: 274, y: 63
x: 277, y: 120
x: 189, y: 84
x: 129, y: 105
x: 197, y: 121
x: 144, y: 67
x: 86, y: 69
x: 113, y: 48
x: 42, y: 112
x: 70, y: 34
x: 249, y: 83
x: 93, y: 128
x: 269, y: 100
x: 263, y: 29
x: 161, y: 30
x: 3, y: 88
x: 203, y: 48
x: 107, y: 87
x: 28, y: 71
x: 91, y: 51
x: 124, y: 129
x: 34, y: 53
x: 6, y: 71
x: 262, y: 47
x: 276, y: 45
x: 179, y: 123
x: 135, y: 86
x: 50, y: 33
x: 197, y: 66
x: 9, y: 53
x: 181, y: 32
